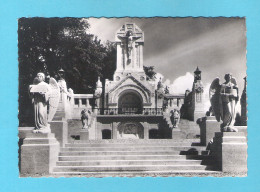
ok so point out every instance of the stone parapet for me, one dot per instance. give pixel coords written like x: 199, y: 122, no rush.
x: 230, y: 151
x: 39, y: 154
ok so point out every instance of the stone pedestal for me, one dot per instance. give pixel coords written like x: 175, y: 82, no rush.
x: 232, y: 152
x: 177, y: 134
x: 60, y: 129
x: 208, y: 129
x: 39, y: 154
x: 84, y: 135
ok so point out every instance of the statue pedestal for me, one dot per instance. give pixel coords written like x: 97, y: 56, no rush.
x: 177, y: 134
x: 39, y: 153
x: 208, y: 129
x: 232, y: 152
x: 84, y: 134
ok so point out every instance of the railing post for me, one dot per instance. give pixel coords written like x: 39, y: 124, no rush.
x: 80, y: 102
x: 87, y: 103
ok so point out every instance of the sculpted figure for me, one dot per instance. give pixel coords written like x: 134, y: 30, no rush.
x: 223, y: 98
x: 175, y: 117
x: 98, y: 90
x: 128, y: 40
x: 44, y: 94
x: 86, y: 118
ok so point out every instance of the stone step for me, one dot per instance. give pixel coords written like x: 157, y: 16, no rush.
x: 125, y: 145
x: 137, y: 141
x: 91, y: 153
x: 239, y: 139
x: 39, y: 141
x: 187, y: 173
x: 128, y: 168
x: 128, y: 162
x: 128, y: 157
x: 136, y: 148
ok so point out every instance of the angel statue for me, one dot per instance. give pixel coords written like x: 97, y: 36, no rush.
x: 44, y: 94
x: 86, y: 118
x: 128, y: 40
x: 223, y: 98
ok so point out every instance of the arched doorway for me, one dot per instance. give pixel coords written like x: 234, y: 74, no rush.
x: 130, y: 102
x: 130, y: 130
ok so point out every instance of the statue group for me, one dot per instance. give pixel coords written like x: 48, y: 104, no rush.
x: 223, y: 98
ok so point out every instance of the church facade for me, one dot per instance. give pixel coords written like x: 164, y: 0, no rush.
x: 131, y: 106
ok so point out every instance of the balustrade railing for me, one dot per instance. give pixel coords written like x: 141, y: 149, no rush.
x: 129, y: 111
x: 82, y: 100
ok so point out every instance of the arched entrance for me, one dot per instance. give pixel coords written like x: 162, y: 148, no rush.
x: 130, y: 102
x: 130, y: 130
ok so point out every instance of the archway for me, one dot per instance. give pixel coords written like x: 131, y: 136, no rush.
x: 130, y: 102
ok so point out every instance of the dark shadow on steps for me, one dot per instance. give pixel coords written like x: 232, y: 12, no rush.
x: 75, y: 137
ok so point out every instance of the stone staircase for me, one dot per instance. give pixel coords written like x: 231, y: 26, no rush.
x: 133, y: 158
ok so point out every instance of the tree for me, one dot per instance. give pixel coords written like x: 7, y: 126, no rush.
x: 47, y: 44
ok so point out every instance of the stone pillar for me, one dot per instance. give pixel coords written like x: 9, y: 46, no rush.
x: 87, y: 103
x: 243, y: 102
x: 141, y: 57
x: 208, y: 127
x: 60, y: 129
x: 146, y: 130
x: 231, y: 152
x: 114, y: 130
x: 80, y: 103
x: 39, y: 154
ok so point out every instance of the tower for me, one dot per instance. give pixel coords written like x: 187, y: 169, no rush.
x: 130, y: 42
x: 198, y: 96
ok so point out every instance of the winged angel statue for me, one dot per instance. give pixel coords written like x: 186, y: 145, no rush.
x: 44, y: 95
x: 223, y: 98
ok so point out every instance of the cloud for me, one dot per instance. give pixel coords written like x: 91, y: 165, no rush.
x: 180, y: 84
x: 207, y: 103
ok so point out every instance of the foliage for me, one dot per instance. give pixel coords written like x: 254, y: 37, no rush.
x: 47, y: 44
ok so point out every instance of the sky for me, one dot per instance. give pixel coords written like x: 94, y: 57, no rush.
x: 176, y: 46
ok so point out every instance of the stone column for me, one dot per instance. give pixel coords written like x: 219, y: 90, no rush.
x: 114, y: 130
x: 119, y: 66
x: 80, y: 103
x: 39, y: 154
x: 146, y: 130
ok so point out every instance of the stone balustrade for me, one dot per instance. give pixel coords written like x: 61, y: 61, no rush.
x: 82, y: 100
x: 175, y: 100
